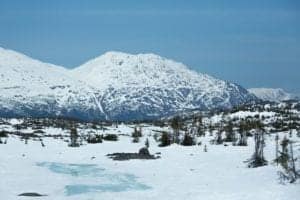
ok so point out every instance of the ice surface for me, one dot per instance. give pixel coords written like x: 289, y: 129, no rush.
x: 103, y: 180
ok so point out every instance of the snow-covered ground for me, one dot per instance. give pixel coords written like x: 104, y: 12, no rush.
x: 62, y: 172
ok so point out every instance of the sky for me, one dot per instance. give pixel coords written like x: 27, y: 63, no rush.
x: 253, y: 43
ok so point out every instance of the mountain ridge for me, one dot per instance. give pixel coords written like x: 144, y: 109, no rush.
x: 272, y: 94
x: 113, y: 86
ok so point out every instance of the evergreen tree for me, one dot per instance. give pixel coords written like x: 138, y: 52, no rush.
x: 188, y: 140
x: 218, y: 139
x: 200, y: 131
x: 200, y: 127
x: 136, y: 134
x: 276, y: 148
x: 147, y: 144
x: 283, y: 157
x: 287, y: 162
x: 258, y: 159
x: 290, y: 124
x: 229, y: 133
x: 242, y: 140
x: 176, y: 125
x: 165, y: 139
x: 74, y: 138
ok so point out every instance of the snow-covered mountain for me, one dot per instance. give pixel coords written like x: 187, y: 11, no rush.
x: 272, y: 94
x: 114, y: 86
x: 29, y: 87
x: 148, y: 86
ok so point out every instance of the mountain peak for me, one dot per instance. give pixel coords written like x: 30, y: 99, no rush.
x: 124, y: 54
x: 118, y: 69
x: 121, y: 59
x: 154, y: 86
x: 272, y: 94
x: 18, y: 61
x: 8, y: 56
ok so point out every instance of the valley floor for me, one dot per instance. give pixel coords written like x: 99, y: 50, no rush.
x: 188, y: 173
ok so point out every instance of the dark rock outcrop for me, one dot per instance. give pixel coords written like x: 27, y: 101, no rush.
x: 143, y: 154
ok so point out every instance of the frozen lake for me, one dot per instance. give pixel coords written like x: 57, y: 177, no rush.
x: 89, y: 178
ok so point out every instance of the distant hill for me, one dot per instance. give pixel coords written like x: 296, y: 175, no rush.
x: 272, y: 94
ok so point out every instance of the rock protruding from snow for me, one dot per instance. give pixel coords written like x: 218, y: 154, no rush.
x: 272, y: 94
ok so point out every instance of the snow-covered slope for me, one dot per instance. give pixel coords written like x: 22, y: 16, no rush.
x: 272, y: 94
x: 115, y: 86
x: 147, y: 86
x: 29, y: 87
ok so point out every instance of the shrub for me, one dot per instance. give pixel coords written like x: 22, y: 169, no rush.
x: 39, y: 131
x: 136, y: 140
x: 94, y: 126
x: 136, y: 133
x: 165, y: 139
x: 74, y: 138
x: 3, y: 133
x: 188, y: 140
x: 93, y: 139
x: 110, y: 137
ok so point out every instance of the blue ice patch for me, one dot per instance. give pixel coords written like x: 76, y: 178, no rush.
x: 104, y: 181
